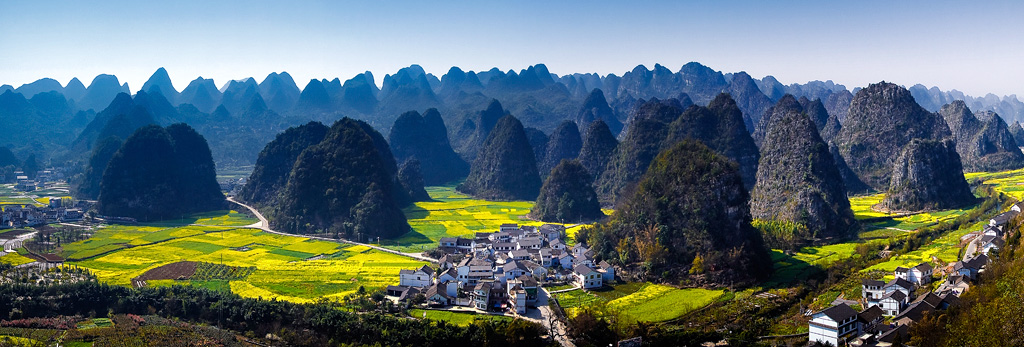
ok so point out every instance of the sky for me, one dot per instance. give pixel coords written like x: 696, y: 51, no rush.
x: 975, y: 47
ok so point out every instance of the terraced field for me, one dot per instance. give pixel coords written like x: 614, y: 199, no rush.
x: 116, y: 254
x: 452, y: 214
x: 1008, y: 182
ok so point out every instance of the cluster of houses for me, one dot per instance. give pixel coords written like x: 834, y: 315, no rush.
x: 502, y: 270
x: 24, y: 184
x: 59, y: 210
x: 898, y: 300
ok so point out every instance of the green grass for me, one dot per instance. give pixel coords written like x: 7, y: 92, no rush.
x: 657, y: 303
x: 457, y: 318
x: 644, y: 302
x: 452, y: 214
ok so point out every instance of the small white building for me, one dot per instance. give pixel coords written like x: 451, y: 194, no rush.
x: 918, y: 275
x: 587, y: 278
x: 416, y: 278
x: 833, y: 325
x: 893, y: 303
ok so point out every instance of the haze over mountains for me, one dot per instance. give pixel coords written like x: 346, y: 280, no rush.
x: 538, y: 98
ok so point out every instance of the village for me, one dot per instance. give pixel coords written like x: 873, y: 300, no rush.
x: 57, y: 210
x: 502, y: 271
x: 890, y: 308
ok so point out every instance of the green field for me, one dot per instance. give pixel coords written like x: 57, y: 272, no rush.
x: 116, y: 254
x: 1008, y: 182
x: 452, y: 214
x: 643, y: 302
x: 457, y: 318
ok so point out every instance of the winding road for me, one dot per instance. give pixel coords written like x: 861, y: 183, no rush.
x: 264, y: 225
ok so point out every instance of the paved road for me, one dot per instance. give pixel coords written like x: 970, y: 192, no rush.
x: 264, y: 225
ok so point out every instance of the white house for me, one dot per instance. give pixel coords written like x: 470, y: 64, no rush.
x: 900, y: 285
x: 415, y: 278
x: 481, y: 295
x: 586, y: 277
x: 918, y: 275
x: 988, y: 243
x: 517, y: 298
x: 872, y: 291
x: 833, y: 324
x: 893, y: 302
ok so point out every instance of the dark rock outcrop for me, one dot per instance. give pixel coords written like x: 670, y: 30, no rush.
x: 720, y: 126
x: 984, y: 143
x: 346, y: 186
x: 567, y: 196
x: 425, y: 138
x: 598, y: 148
x: 160, y: 173
x: 1018, y: 133
x: 928, y: 176
x: 276, y: 160
x: 883, y: 118
x: 797, y: 179
x: 505, y: 168
x: 594, y: 108
x: 564, y: 143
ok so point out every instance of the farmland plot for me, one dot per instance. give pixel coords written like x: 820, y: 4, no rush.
x: 248, y: 262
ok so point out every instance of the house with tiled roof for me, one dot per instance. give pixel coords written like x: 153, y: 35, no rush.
x: 833, y: 324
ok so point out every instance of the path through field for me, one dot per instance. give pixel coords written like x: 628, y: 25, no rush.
x: 265, y: 226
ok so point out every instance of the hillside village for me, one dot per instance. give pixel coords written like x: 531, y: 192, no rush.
x: 503, y: 270
x: 890, y: 308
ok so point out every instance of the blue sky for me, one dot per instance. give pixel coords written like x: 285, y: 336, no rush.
x: 975, y: 47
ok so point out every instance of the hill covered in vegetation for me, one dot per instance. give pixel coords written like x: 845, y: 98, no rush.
x: 688, y: 218
x: 160, y: 173
x: 425, y: 138
x: 505, y: 168
x: 567, y: 195
x: 346, y: 185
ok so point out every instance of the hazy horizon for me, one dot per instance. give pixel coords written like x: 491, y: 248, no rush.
x: 964, y: 46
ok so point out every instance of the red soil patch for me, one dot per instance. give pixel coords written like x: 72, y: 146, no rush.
x: 174, y: 271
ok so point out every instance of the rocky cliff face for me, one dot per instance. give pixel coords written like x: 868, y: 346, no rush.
x: 505, y: 168
x: 838, y: 104
x: 797, y: 179
x: 425, y: 138
x: 565, y: 143
x: 984, y: 143
x: 928, y: 176
x: 1018, y: 133
x: 594, y: 108
x: 598, y: 147
x: 786, y: 104
x: 749, y: 98
x: 884, y: 118
x: 721, y: 127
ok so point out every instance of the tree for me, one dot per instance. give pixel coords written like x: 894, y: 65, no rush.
x: 31, y: 167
